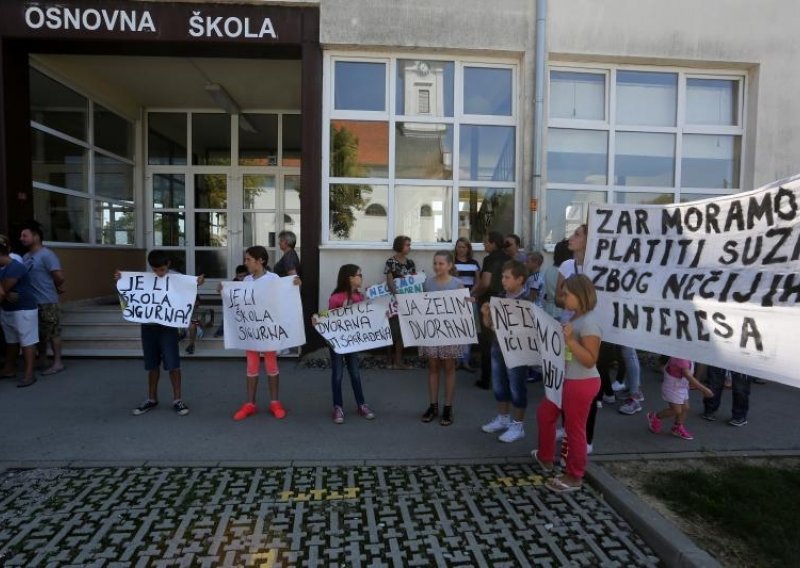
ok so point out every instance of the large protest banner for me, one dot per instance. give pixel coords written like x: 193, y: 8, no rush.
x: 715, y: 281
x: 549, y: 337
x: 410, y: 284
x: 263, y: 315
x: 437, y: 318
x: 147, y: 298
x: 516, y: 331
x: 357, y: 327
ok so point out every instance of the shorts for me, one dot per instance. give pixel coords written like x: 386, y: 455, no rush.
x: 49, y: 322
x: 674, y: 390
x: 270, y: 363
x: 20, y: 326
x: 442, y: 351
x: 160, y: 345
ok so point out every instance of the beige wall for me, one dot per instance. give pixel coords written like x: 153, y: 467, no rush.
x: 89, y: 272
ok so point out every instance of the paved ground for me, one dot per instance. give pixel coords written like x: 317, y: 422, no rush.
x: 87, y: 484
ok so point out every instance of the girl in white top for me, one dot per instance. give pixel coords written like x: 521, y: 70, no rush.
x: 577, y: 245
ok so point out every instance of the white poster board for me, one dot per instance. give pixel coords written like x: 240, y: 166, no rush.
x: 263, y: 315
x: 549, y: 337
x: 515, y: 329
x: 168, y: 300
x: 357, y: 327
x: 716, y: 281
x: 437, y: 318
x: 411, y: 284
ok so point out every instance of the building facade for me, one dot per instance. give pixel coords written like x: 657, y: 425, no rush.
x: 207, y: 127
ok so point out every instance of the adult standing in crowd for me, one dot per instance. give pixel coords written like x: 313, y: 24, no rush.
x: 289, y: 264
x: 47, y: 280
x: 490, y: 284
x: 468, y: 271
x: 560, y: 254
x: 398, y: 266
x: 716, y: 378
x: 512, y: 245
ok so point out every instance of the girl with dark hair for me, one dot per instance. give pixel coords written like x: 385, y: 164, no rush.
x: 398, y: 266
x: 347, y: 292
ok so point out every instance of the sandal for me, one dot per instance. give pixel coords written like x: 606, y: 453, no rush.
x: 557, y: 485
x: 431, y: 413
x: 447, y: 416
x: 543, y: 465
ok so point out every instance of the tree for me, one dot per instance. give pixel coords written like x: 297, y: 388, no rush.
x: 345, y: 199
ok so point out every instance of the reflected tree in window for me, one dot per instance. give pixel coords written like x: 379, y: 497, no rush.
x: 345, y: 199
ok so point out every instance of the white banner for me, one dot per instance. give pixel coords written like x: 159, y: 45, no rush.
x: 716, y: 281
x: 263, y: 315
x: 357, y: 327
x: 437, y: 318
x: 411, y: 284
x: 549, y: 337
x: 515, y: 329
x: 168, y: 300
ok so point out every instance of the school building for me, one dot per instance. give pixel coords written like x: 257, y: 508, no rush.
x: 207, y: 127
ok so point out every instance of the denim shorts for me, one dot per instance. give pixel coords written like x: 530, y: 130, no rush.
x: 160, y: 345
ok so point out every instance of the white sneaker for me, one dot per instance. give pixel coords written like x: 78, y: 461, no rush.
x: 559, y: 433
x: 589, y: 449
x: 515, y: 432
x: 617, y: 386
x: 501, y: 422
x: 631, y: 406
x: 609, y: 399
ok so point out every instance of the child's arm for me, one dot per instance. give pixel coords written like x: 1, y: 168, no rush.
x: 707, y: 393
x: 585, y: 349
x: 486, y: 316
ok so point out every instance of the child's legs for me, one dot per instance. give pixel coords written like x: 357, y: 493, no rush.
x: 175, y: 379
x: 547, y: 417
x: 500, y: 383
x: 518, y: 385
x: 355, y: 377
x: 433, y: 380
x: 271, y: 364
x: 592, y: 419
x: 152, y: 383
x: 577, y: 398
x: 252, y: 375
x: 449, y: 381
x: 337, y: 372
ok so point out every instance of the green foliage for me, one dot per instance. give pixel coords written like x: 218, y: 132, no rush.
x: 346, y: 199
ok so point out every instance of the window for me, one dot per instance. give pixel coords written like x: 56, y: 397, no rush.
x: 436, y: 161
x: 82, y: 161
x: 638, y: 135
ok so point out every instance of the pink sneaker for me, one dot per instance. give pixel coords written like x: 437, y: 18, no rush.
x: 247, y: 409
x: 654, y: 422
x: 680, y: 431
x: 276, y: 408
x: 338, y: 415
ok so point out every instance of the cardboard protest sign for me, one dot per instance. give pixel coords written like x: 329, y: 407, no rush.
x: 515, y: 329
x: 549, y: 337
x: 410, y: 284
x: 263, y: 315
x: 168, y: 300
x: 716, y: 281
x: 437, y: 318
x: 357, y: 327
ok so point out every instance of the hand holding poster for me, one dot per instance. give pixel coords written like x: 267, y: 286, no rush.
x: 437, y: 318
x: 716, y: 281
x: 263, y: 315
x: 515, y: 328
x: 550, y: 341
x: 357, y: 327
x: 411, y: 284
x: 147, y: 298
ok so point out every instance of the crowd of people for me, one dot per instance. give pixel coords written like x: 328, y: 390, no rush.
x: 30, y: 288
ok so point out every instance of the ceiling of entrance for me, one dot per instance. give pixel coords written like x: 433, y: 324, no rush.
x: 179, y: 82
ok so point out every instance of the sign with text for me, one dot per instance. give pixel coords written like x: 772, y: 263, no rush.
x: 437, y: 318
x: 516, y: 331
x: 410, y: 284
x: 716, y: 281
x: 147, y: 298
x: 263, y: 315
x: 549, y: 337
x: 357, y: 327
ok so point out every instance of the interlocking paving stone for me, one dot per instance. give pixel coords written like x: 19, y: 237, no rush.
x: 332, y: 516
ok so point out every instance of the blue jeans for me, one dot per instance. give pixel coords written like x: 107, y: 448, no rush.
x: 715, y: 380
x: 632, y: 371
x: 508, y: 384
x: 337, y: 374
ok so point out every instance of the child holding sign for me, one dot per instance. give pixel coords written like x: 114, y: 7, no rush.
x: 443, y: 356
x: 347, y: 293
x: 509, y: 384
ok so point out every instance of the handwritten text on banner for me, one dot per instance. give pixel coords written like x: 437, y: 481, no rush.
x: 168, y: 300
x: 357, y: 327
x: 437, y: 318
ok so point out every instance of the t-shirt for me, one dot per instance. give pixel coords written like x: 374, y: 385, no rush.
x: 27, y: 299
x: 40, y: 265
x: 569, y: 268
x: 467, y: 271
x: 535, y: 283
x: 549, y: 292
x: 586, y: 325
x: 431, y: 285
x: 288, y: 262
x: 493, y: 264
x: 675, y: 367
x: 266, y: 276
x: 399, y: 269
x: 339, y: 299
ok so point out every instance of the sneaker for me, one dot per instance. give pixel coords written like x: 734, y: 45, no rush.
x: 709, y: 417
x: 501, y: 422
x: 338, y: 415
x: 277, y: 410
x: 180, y: 408
x: 738, y: 422
x: 146, y: 406
x: 616, y: 386
x: 365, y: 412
x: 589, y: 449
x: 190, y: 349
x: 559, y: 433
x: 431, y: 413
x: 630, y: 407
x: 247, y: 409
x: 599, y: 404
x: 654, y: 422
x: 680, y: 431
x: 514, y: 432
x: 609, y: 399
x: 626, y: 394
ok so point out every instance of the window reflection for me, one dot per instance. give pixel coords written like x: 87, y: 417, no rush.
x: 112, y: 132
x: 711, y: 160
x: 64, y: 218
x: 577, y: 156
x: 116, y: 224
x: 349, y: 220
x: 481, y: 210
x: 210, y: 191
x: 113, y: 178
x: 577, y: 95
x: 360, y: 86
x: 566, y: 210
x: 259, y: 229
x: 58, y: 162
x: 259, y: 191
x: 712, y: 101
x: 424, y: 87
x: 169, y: 191
x: 211, y: 229
x: 211, y: 139
x: 169, y: 229
x: 359, y: 148
x: 258, y: 140
x: 57, y: 106
x: 166, y: 138
x: 423, y: 150
x: 487, y: 90
x: 647, y: 99
x: 487, y: 153
x: 645, y: 158
x: 423, y: 213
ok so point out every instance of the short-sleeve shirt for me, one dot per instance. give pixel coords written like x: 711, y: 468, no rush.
x: 288, y: 262
x: 586, y: 325
x: 493, y: 264
x: 265, y: 276
x: 467, y: 271
x: 340, y: 299
x: 41, y: 264
x: 535, y: 283
x: 23, y: 288
x: 431, y: 285
x: 399, y: 269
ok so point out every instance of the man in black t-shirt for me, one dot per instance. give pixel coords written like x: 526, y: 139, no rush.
x: 489, y: 285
